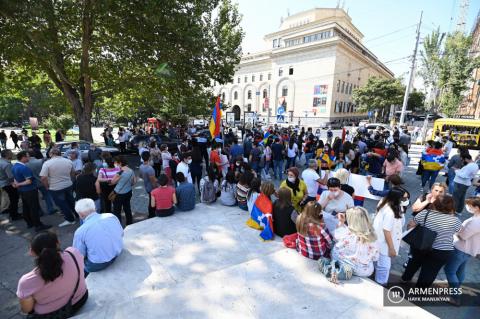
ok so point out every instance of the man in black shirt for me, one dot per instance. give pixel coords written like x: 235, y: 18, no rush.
x: 277, y: 157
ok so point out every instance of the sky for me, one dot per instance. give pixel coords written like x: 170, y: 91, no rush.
x: 376, y: 19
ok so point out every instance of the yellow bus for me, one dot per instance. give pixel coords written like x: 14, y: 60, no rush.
x: 464, y: 132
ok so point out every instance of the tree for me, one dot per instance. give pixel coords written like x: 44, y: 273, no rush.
x: 92, y: 49
x: 379, y: 94
x: 430, y: 58
x: 456, y: 66
x: 416, y: 101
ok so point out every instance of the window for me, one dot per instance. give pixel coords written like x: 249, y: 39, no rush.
x: 350, y: 89
x: 249, y: 107
x: 336, y: 106
x: 261, y: 77
x: 343, y: 86
x: 253, y: 78
x: 280, y: 72
x: 290, y: 70
x: 245, y: 79
x: 269, y: 76
x: 285, y: 91
x: 265, y: 93
x: 275, y: 43
x: 223, y: 97
x: 238, y: 80
x: 338, y: 86
x: 249, y: 95
x: 235, y: 95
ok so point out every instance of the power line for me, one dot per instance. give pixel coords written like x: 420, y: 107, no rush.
x: 390, y: 33
x: 392, y: 41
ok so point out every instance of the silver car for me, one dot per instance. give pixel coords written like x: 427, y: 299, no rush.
x: 84, y: 147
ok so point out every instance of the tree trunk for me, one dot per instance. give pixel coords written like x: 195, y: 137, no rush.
x: 85, y: 127
x: 82, y: 113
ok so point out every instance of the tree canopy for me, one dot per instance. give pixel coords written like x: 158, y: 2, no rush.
x: 159, y: 53
x: 379, y: 94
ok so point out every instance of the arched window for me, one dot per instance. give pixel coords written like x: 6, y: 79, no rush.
x: 249, y: 95
x: 223, y: 97
x: 285, y: 91
x: 235, y: 95
x: 265, y: 93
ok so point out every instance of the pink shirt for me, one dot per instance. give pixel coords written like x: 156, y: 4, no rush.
x: 393, y: 168
x: 163, y: 197
x: 53, y: 295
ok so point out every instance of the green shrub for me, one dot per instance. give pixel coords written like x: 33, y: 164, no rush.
x: 64, y: 121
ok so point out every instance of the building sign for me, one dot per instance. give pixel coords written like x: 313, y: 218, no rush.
x: 320, y: 98
x: 249, y: 117
x: 230, y: 118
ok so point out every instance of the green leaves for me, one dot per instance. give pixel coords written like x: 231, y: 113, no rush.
x: 379, y: 93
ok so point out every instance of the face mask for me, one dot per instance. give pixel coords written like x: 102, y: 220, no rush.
x: 219, y: 150
x: 189, y: 161
x: 335, y: 193
x: 117, y: 166
x: 237, y: 163
x: 469, y: 209
x: 105, y: 165
x: 405, y: 203
x: 291, y: 179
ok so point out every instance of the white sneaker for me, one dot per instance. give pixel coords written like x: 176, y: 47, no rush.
x: 66, y: 223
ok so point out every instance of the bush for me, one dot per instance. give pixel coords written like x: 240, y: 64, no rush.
x: 64, y: 122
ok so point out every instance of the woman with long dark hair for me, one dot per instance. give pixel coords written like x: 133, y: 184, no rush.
x: 57, y: 279
x: 388, y: 223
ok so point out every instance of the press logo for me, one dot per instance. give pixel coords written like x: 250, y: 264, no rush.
x: 396, y: 294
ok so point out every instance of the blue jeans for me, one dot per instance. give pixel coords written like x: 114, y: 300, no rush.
x: 93, y: 267
x: 47, y: 197
x: 63, y: 198
x: 308, y: 156
x: 429, y: 176
x: 459, y: 192
x: 278, y: 169
x: 290, y: 162
x: 256, y: 167
x: 451, y: 177
x: 455, y: 268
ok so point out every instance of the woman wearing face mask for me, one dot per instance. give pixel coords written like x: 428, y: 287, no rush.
x: 392, y: 165
x: 296, y: 185
x: 467, y: 245
x: 334, y: 201
x: 105, y: 176
x: 388, y: 223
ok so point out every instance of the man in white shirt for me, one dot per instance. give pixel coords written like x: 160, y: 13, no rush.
x: 463, y: 180
x: 183, y: 166
x: 312, y: 180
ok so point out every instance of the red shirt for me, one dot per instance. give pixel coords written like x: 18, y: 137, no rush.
x: 163, y: 197
x: 214, y: 157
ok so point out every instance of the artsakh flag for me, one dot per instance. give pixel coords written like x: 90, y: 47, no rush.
x: 215, y: 122
x: 261, y: 217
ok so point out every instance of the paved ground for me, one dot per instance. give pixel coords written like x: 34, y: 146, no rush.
x: 14, y: 239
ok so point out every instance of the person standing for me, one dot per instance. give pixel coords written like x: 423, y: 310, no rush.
x: 85, y: 185
x: 123, y: 181
x: 35, y: 164
x: 454, y: 163
x: 56, y: 175
x: 7, y: 182
x: 433, y: 161
x: 26, y: 185
x: 183, y: 166
x: 3, y: 139
x: 277, y: 156
x: 463, y: 180
x: 14, y: 138
x: 95, y: 155
x: 47, y: 138
x: 156, y: 158
x: 292, y: 151
x: 105, y: 176
x: 147, y: 173
x: 59, y: 136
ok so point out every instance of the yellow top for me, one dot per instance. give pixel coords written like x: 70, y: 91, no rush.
x: 296, y: 199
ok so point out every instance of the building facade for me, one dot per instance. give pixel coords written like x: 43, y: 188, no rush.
x: 315, y: 61
x: 470, y: 106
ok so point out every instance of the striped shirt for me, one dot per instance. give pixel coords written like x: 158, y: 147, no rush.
x: 108, y: 173
x: 444, y: 225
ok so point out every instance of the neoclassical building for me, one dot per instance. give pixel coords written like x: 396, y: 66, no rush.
x: 316, y: 59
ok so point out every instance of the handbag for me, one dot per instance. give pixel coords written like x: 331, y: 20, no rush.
x: 335, y: 270
x: 112, y: 196
x: 420, y: 168
x: 67, y: 310
x: 421, y: 238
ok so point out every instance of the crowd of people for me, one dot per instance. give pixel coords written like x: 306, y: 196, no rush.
x: 314, y: 208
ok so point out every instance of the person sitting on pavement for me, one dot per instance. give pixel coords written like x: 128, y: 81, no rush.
x: 243, y: 187
x: 296, y: 185
x: 57, y: 274
x: 185, y: 193
x: 209, y: 187
x: 163, y: 198
x: 355, y: 241
x: 313, y: 180
x: 284, y: 214
x: 343, y: 175
x: 228, y: 190
x: 334, y: 201
x: 253, y: 192
x: 99, y: 239
x: 314, y: 240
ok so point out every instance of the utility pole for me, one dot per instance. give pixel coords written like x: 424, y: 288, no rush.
x: 412, y: 72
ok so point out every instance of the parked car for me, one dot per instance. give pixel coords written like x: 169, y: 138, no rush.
x: 84, y: 146
x: 133, y: 144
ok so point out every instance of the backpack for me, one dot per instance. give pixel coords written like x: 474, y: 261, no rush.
x: 208, y: 192
x: 329, y: 133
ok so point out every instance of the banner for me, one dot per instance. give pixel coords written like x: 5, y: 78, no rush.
x: 249, y: 117
x: 230, y: 118
x: 320, y: 98
x: 359, y: 183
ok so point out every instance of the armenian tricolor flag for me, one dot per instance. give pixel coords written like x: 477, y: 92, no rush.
x: 261, y: 217
x: 433, y: 160
x: 215, y: 122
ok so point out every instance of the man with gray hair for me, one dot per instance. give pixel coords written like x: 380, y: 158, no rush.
x: 312, y: 180
x: 99, y: 238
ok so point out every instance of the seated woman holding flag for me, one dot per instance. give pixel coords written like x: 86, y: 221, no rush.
x: 261, y: 215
